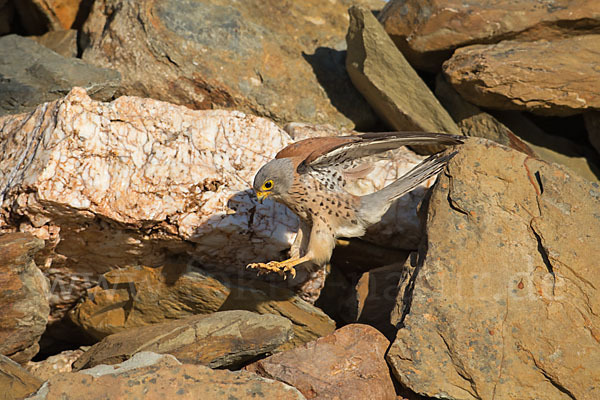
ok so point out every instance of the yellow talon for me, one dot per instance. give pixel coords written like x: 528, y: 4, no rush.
x: 281, y: 267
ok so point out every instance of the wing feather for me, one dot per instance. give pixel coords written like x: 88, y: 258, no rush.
x: 368, y: 144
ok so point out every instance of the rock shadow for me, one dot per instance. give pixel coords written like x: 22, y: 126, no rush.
x: 329, y: 67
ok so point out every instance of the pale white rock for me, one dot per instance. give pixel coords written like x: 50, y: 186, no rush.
x: 109, y: 185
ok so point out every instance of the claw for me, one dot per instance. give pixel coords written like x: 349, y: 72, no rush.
x: 273, y: 266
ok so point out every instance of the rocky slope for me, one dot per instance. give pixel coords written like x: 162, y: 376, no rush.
x: 130, y: 133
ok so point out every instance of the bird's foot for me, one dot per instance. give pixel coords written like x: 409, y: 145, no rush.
x: 281, y: 267
x: 274, y: 266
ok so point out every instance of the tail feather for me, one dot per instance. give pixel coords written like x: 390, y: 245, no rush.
x: 374, y: 205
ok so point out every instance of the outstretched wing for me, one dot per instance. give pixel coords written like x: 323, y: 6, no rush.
x: 334, y: 160
x: 367, y: 144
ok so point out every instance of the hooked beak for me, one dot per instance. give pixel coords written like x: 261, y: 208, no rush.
x: 261, y: 196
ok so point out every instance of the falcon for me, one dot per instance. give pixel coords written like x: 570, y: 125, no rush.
x: 310, y: 177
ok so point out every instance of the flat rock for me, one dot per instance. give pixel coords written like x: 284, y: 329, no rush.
x: 542, y: 77
x: 428, y: 32
x: 23, y: 297
x: 282, y: 62
x: 552, y: 148
x: 223, y: 339
x: 503, y: 300
x: 348, y: 364
x: 63, y: 42
x: 136, y: 297
x: 15, y: 382
x: 153, y: 376
x: 148, y: 178
x: 514, y: 130
x: 475, y: 122
x: 388, y: 82
x: 33, y: 74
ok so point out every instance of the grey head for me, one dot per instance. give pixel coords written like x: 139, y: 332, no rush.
x: 274, y: 179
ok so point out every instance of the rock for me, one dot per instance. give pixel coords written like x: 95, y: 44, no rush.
x: 503, y: 301
x: 592, y: 125
x: 136, y: 297
x: 33, y: 74
x: 62, y: 42
x: 54, y: 365
x: 542, y: 77
x: 348, y: 364
x: 223, y: 339
x: 475, y: 122
x: 23, y: 297
x: 428, y: 32
x: 283, y: 62
x: 122, y: 206
x: 388, y: 82
x: 552, y: 148
x: 39, y: 16
x: 514, y: 130
x: 16, y: 383
x: 152, y: 376
x: 373, y: 298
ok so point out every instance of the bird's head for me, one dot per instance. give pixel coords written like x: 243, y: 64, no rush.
x: 274, y: 179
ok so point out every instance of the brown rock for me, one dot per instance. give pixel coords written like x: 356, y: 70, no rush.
x: 54, y: 365
x: 39, y: 16
x: 428, y: 31
x: 514, y: 130
x: 262, y: 57
x: 552, y: 148
x: 544, y: 77
x: 23, y: 297
x: 388, y: 82
x: 63, y: 42
x: 503, y: 302
x: 152, y: 376
x: 475, y: 122
x: 223, y: 339
x: 136, y: 297
x: 348, y: 364
x: 15, y: 382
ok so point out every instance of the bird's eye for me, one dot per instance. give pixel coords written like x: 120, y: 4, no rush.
x: 268, y: 185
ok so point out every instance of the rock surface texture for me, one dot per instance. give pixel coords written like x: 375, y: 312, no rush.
x: 136, y: 297
x: 153, y: 376
x: 146, y: 179
x: 57, y: 364
x: 24, y: 293
x: 15, y: 382
x: 527, y: 137
x: 284, y: 61
x: 388, y: 82
x: 504, y: 299
x: 428, y: 31
x: 222, y: 339
x: 348, y: 364
x: 33, y: 74
x: 542, y: 76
